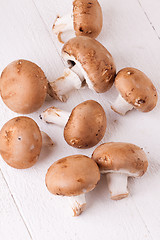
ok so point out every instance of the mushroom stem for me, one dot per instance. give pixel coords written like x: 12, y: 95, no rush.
x: 56, y: 116
x: 121, y: 106
x: 78, y: 204
x: 62, y: 86
x: 117, y: 184
x: 78, y: 71
x: 63, y: 24
x: 46, y: 140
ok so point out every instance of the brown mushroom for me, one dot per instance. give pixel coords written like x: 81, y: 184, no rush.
x: 23, y: 86
x: 85, y: 20
x: 135, y: 91
x: 119, y: 161
x: 73, y: 176
x: 84, y: 127
x: 88, y: 60
x: 21, y: 142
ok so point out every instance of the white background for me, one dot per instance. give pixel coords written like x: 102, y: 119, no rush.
x: 131, y: 32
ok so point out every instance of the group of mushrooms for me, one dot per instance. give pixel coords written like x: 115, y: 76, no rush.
x: 24, y: 87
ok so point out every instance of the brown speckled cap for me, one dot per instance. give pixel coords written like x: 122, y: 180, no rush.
x: 20, y: 142
x: 72, y: 176
x: 86, y: 125
x: 23, y: 86
x: 87, y: 18
x: 137, y: 89
x: 117, y: 156
x: 94, y: 59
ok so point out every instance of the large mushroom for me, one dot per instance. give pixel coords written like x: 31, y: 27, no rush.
x: 73, y: 177
x: 119, y: 161
x: 21, y: 142
x: 85, y: 20
x: 84, y: 127
x: 135, y: 91
x: 88, y: 60
x: 23, y: 86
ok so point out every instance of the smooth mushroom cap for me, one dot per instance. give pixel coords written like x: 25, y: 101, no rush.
x: 122, y: 157
x: 86, y: 125
x: 94, y: 58
x: 137, y: 89
x: 72, y: 176
x: 20, y: 142
x: 23, y: 86
x: 87, y: 18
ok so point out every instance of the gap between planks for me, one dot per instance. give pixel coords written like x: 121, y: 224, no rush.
x: 49, y: 34
x: 148, y: 19
x: 14, y: 201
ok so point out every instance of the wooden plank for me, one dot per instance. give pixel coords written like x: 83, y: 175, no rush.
x: 129, y: 37
x: 12, y: 225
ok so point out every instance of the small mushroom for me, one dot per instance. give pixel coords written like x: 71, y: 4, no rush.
x: 85, y: 20
x: 119, y: 161
x: 88, y: 60
x: 135, y: 91
x: 23, y: 86
x: 21, y: 142
x: 73, y: 177
x: 84, y: 127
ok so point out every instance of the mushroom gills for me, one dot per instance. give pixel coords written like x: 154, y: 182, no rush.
x: 63, y: 24
x: 78, y: 204
x: 117, y: 185
x: 46, y: 140
x: 69, y: 81
x: 121, y: 106
x: 56, y: 116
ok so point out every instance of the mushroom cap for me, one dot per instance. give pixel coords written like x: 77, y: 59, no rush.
x: 122, y: 157
x: 87, y: 18
x: 72, y: 176
x: 20, y: 142
x: 86, y: 125
x: 23, y: 86
x: 137, y: 89
x: 94, y: 58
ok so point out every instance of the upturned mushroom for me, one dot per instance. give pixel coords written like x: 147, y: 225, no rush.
x: 21, y: 142
x: 84, y: 127
x: 85, y: 20
x: 135, y: 91
x: 73, y: 177
x: 88, y: 60
x: 119, y: 161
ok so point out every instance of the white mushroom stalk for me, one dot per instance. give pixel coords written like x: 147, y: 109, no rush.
x: 117, y: 185
x: 70, y: 80
x: 55, y: 116
x: 78, y: 69
x: 121, y: 106
x: 63, y: 24
x: 78, y: 204
x: 46, y: 140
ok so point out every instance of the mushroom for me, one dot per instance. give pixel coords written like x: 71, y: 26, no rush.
x: 84, y: 127
x: 85, y: 20
x: 119, y: 161
x: 135, y: 91
x: 21, y: 142
x: 88, y: 60
x: 23, y: 86
x: 73, y: 177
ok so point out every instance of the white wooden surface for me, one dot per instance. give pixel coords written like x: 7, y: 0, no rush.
x: 27, y: 210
